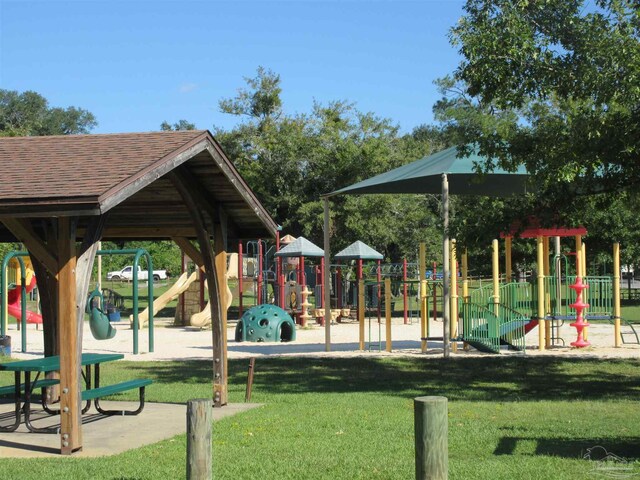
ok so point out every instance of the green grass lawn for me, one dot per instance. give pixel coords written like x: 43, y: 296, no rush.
x: 509, y: 418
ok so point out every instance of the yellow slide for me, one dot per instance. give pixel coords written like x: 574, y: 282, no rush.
x: 203, y: 318
x: 176, y: 289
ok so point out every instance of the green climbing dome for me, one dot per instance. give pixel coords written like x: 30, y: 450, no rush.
x: 265, y: 323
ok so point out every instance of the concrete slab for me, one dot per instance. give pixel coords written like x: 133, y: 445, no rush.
x: 102, y: 435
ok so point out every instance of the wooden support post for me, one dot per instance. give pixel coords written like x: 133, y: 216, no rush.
x: 431, y: 426
x: 327, y: 277
x: 208, y: 257
x: 424, y: 319
x: 583, y: 258
x: 616, y: 295
x: 422, y: 276
x: 465, y: 287
x: 361, y: 314
x: 70, y: 349
x: 445, y: 268
x: 541, y: 312
x: 387, y: 313
x: 219, y: 246
x: 199, y: 439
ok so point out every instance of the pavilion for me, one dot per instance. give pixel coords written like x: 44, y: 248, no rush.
x: 61, y: 195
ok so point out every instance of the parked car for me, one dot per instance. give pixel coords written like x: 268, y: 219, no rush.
x: 127, y: 274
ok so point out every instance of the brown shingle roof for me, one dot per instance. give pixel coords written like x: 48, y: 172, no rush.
x: 80, y: 165
x: 126, y: 175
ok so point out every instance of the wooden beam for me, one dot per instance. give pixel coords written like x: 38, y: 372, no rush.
x: 219, y: 246
x: 124, y: 190
x: 219, y: 371
x: 190, y: 250
x: 70, y: 404
x: 146, y: 232
x: 23, y: 231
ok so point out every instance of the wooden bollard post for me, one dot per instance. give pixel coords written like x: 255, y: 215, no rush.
x: 431, y: 431
x: 199, y: 442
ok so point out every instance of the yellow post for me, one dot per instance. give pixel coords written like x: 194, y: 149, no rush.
x: 387, y: 311
x: 541, y: 321
x: 507, y: 259
x: 616, y: 294
x: 496, y: 278
x: 361, y: 313
x: 547, y: 267
x: 422, y: 265
x: 578, y: 255
x: 454, y: 294
x: 424, y: 325
x: 5, y: 286
x: 465, y: 285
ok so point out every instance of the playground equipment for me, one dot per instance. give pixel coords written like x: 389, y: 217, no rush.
x: 159, y: 303
x: 505, y: 313
x: 203, y: 318
x: 265, y: 323
x: 101, y: 327
x: 137, y: 254
x: 299, y: 249
x: 256, y: 264
x: 14, y: 300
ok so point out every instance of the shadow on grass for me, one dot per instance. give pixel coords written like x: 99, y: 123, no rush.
x: 470, y: 379
x: 628, y: 448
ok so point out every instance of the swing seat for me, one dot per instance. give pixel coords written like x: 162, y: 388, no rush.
x: 101, y: 328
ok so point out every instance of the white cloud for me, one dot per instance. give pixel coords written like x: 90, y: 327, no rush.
x: 187, y: 87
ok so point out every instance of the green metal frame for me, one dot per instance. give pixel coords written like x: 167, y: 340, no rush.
x: 23, y: 297
x: 138, y: 252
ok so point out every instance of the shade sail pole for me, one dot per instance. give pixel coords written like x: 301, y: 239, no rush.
x: 446, y: 274
x: 327, y: 278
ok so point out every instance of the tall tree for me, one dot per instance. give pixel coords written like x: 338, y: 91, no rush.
x: 292, y: 159
x: 29, y: 113
x: 560, y: 80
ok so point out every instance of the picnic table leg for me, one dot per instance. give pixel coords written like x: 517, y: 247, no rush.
x: 87, y: 382
x: 27, y: 408
x: 16, y: 423
x: 102, y: 411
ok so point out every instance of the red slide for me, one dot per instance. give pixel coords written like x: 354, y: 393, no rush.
x: 13, y: 303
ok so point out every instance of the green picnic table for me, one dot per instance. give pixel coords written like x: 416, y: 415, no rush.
x: 22, y: 391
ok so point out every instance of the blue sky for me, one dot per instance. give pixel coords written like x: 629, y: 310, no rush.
x: 137, y: 63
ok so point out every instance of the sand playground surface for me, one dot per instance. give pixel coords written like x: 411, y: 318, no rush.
x: 188, y: 343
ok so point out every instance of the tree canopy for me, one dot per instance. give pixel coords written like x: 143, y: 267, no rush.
x: 553, y: 85
x: 290, y: 160
x: 29, y: 113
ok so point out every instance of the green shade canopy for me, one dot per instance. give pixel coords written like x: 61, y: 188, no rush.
x: 301, y: 247
x: 425, y: 176
x: 358, y: 251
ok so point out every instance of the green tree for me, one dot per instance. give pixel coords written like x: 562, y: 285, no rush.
x: 554, y: 86
x: 178, y: 126
x: 290, y: 160
x: 29, y: 113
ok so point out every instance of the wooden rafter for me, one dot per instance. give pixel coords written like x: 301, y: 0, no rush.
x: 24, y: 232
x: 204, y: 239
x: 190, y: 250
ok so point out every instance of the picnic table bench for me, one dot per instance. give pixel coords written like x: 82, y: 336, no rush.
x: 22, y: 391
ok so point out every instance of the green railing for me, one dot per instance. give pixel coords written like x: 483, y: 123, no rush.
x: 480, y: 327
